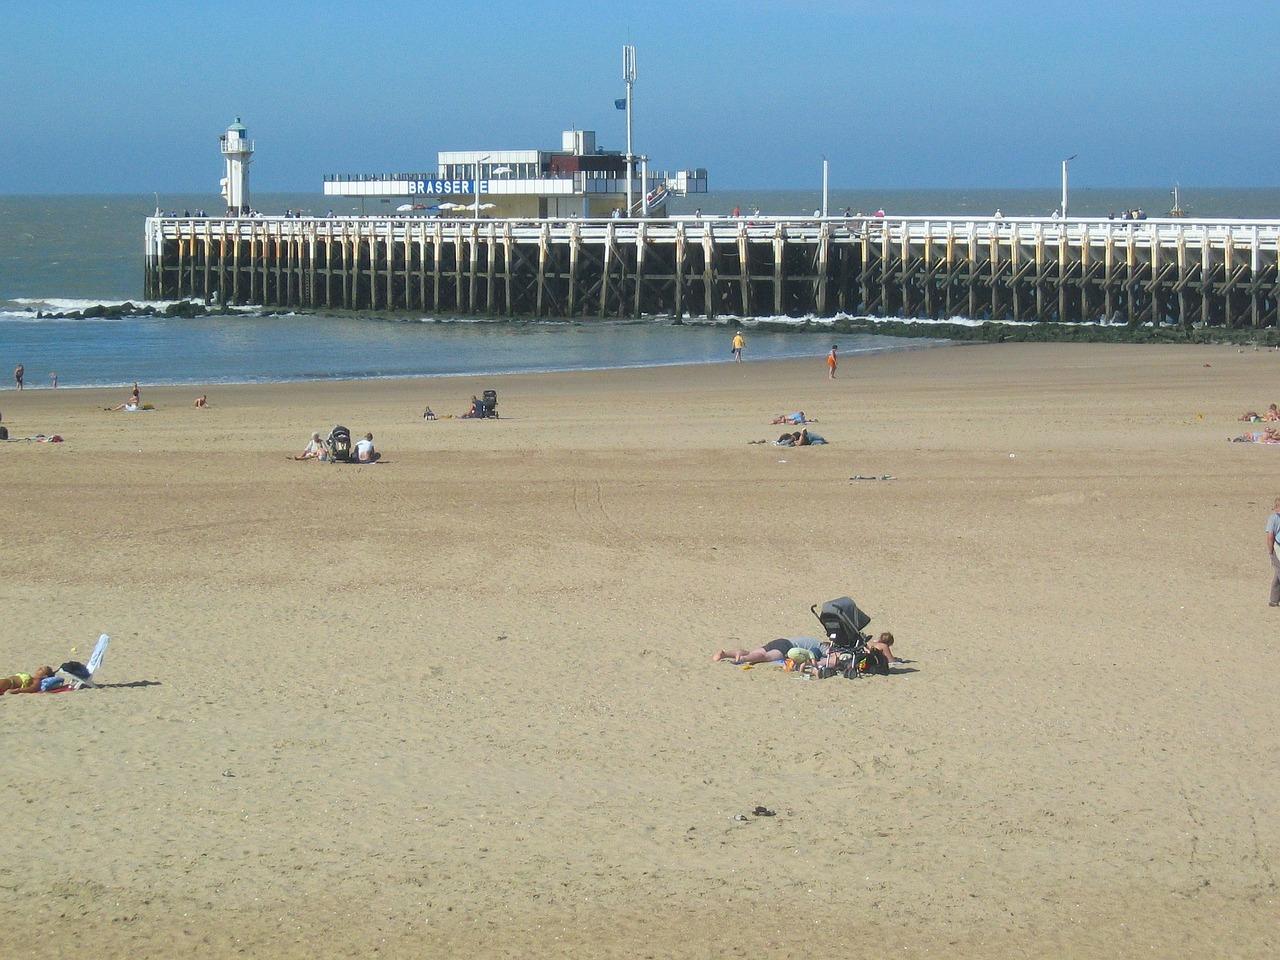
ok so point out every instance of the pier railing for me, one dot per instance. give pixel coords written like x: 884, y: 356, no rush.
x: 1011, y: 268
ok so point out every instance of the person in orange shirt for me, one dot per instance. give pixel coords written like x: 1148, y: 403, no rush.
x: 831, y: 363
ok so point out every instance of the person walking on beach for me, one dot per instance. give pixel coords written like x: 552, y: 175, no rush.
x: 17, y: 375
x: 1273, y: 530
x: 831, y: 363
x: 738, y: 344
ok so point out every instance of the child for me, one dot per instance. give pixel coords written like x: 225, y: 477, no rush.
x: 883, y: 645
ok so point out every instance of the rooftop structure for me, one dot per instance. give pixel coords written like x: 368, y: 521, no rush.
x: 578, y: 180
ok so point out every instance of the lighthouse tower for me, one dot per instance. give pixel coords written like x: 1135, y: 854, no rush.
x: 237, y: 150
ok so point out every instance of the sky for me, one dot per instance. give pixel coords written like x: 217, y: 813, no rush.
x: 130, y: 97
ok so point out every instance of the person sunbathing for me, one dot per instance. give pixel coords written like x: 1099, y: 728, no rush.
x: 25, y: 682
x: 795, y: 418
x: 129, y: 406
x: 315, y: 450
x: 775, y: 650
x: 1265, y: 435
x: 202, y: 401
x: 1272, y: 414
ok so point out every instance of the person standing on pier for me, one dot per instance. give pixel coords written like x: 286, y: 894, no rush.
x: 831, y: 363
x: 738, y: 344
x: 17, y: 375
x: 1273, y: 530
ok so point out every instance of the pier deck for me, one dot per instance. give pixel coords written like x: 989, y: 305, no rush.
x: 1220, y: 272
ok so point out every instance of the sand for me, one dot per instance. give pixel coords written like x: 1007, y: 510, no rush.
x: 461, y: 704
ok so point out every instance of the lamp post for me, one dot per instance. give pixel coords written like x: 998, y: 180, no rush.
x: 825, y: 168
x: 1064, y: 183
x: 478, y: 162
x: 629, y: 75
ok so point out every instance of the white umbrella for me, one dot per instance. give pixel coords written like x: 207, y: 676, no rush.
x: 404, y: 208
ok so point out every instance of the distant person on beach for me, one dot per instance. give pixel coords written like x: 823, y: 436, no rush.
x: 738, y: 344
x: 776, y: 650
x: 1273, y: 528
x: 17, y: 375
x: 136, y: 395
x: 428, y: 414
x: 883, y: 645
x: 53, y: 377
x: 364, y: 450
x: 315, y: 449
x: 832, y: 362
x: 202, y: 401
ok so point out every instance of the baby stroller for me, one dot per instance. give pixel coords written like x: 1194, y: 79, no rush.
x: 339, y: 444
x: 488, y: 406
x: 843, y: 623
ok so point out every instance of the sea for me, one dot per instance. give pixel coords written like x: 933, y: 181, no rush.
x: 64, y: 253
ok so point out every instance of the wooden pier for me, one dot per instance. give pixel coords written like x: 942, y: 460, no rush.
x: 1218, y: 273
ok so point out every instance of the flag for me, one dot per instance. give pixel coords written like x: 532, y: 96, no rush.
x: 621, y: 104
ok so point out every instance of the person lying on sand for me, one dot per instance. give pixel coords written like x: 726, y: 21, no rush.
x: 202, y: 401
x: 129, y: 406
x: 1266, y: 435
x: 801, y: 438
x: 315, y: 449
x: 795, y: 418
x: 778, y: 649
x: 24, y: 682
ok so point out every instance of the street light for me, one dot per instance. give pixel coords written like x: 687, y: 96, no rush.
x: 824, y: 185
x: 1064, y: 183
x: 478, y: 162
x: 629, y: 77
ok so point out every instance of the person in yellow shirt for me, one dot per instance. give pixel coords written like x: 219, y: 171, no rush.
x: 738, y: 344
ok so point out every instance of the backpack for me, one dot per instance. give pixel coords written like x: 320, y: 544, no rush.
x: 868, y: 662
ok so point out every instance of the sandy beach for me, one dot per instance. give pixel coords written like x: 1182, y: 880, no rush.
x: 461, y: 703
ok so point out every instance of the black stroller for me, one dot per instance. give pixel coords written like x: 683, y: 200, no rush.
x: 843, y: 623
x: 487, y: 408
x: 339, y: 444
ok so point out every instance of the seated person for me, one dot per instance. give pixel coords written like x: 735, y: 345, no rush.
x: 475, y: 410
x: 24, y: 682
x: 202, y: 401
x: 1272, y: 414
x: 808, y: 438
x: 364, y: 450
x: 883, y: 645
x: 315, y: 450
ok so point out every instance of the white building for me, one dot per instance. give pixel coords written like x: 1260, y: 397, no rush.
x: 237, y: 150
x: 578, y: 180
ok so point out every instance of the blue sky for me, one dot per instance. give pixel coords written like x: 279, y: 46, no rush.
x: 131, y: 96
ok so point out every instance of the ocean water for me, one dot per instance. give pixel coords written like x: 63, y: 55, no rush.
x: 66, y: 252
